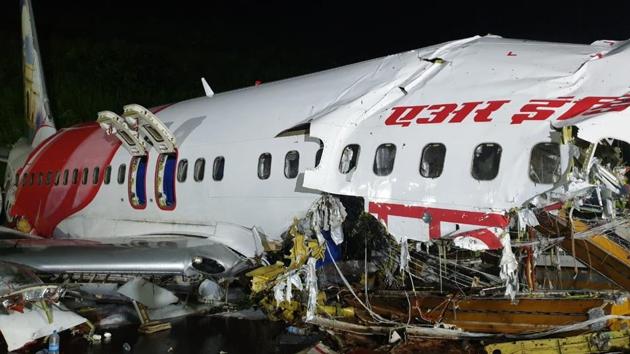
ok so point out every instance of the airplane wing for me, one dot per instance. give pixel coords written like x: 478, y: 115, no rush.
x: 156, y: 255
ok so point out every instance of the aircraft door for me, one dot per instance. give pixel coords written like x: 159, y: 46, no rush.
x: 137, y: 182
x: 165, y: 181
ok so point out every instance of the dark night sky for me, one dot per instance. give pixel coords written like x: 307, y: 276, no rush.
x: 152, y: 53
x: 348, y: 32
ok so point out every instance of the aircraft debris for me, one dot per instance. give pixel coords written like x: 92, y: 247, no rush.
x: 31, y: 308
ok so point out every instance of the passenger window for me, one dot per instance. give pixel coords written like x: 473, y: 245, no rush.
x: 182, y: 170
x: 486, y: 161
x: 84, y: 178
x: 65, y: 177
x: 432, y: 161
x: 349, y: 158
x: 32, y: 178
x: 57, y: 177
x: 108, y: 175
x: 318, y: 156
x: 95, y: 175
x: 17, y: 179
x: 544, y: 163
x: 200, y: 168
x: 75, y: 176
x: 49, y: 178
x: 40, y: 178
x: 291, y: 164
x: 264, y: 166
x: 122, y: 170
x: 24, y: 179
x: 217, y: 168
x: 384, y: 159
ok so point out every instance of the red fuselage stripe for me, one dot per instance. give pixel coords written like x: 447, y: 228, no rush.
x: 436, y: 215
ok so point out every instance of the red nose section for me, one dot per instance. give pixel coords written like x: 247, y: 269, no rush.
x: 45, y: 196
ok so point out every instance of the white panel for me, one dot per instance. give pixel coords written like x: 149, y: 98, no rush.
x: 411, y: 228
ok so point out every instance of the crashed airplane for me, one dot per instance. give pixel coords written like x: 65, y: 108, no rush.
x: 491, y: 174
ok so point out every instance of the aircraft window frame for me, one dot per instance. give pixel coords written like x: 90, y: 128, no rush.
x: 95, y: 174
x: 218, y: 168
x: 493, y: 171
x: 199, y: 169
x: 318, y: 156
x: 351, y: 161
x: 264, y: 165
x: 430, y: 167
x: 182, y: 170
x: 122, y: 172
x: 165, y: 181
x: 57, y: 178
x: 384, y: 154
x: 544, y: 147
x: 66, y: 174
x: 290, y: 170
x: 24, y: 179
x: 85, y: 176
x: 75, y: 176
x: 32, y: 178
x: 40, y: 179
x: 48, y: 178
x: 108, y: 174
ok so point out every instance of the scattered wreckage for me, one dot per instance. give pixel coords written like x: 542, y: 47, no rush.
x: 502, y: 260
x: 562, y: 271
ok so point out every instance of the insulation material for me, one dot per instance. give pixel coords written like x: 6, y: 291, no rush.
x: 526, y: 217
x: 327, y: 213
x: 311, y: 285
x: 404, y: 255
x: 283, y: 290
x: 509, y: 268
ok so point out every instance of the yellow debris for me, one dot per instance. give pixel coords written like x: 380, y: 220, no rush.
x: 622, y: 309
x: 336, y: 310
x: 262, y: 278
x: 587, y: 343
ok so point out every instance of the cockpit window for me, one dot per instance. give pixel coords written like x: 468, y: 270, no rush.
x: 384, y: 159
x: 349, y: 158
x: 432, y: 161
x: 264, y: 166
x: 486, y: 159
x: 544, y: 163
